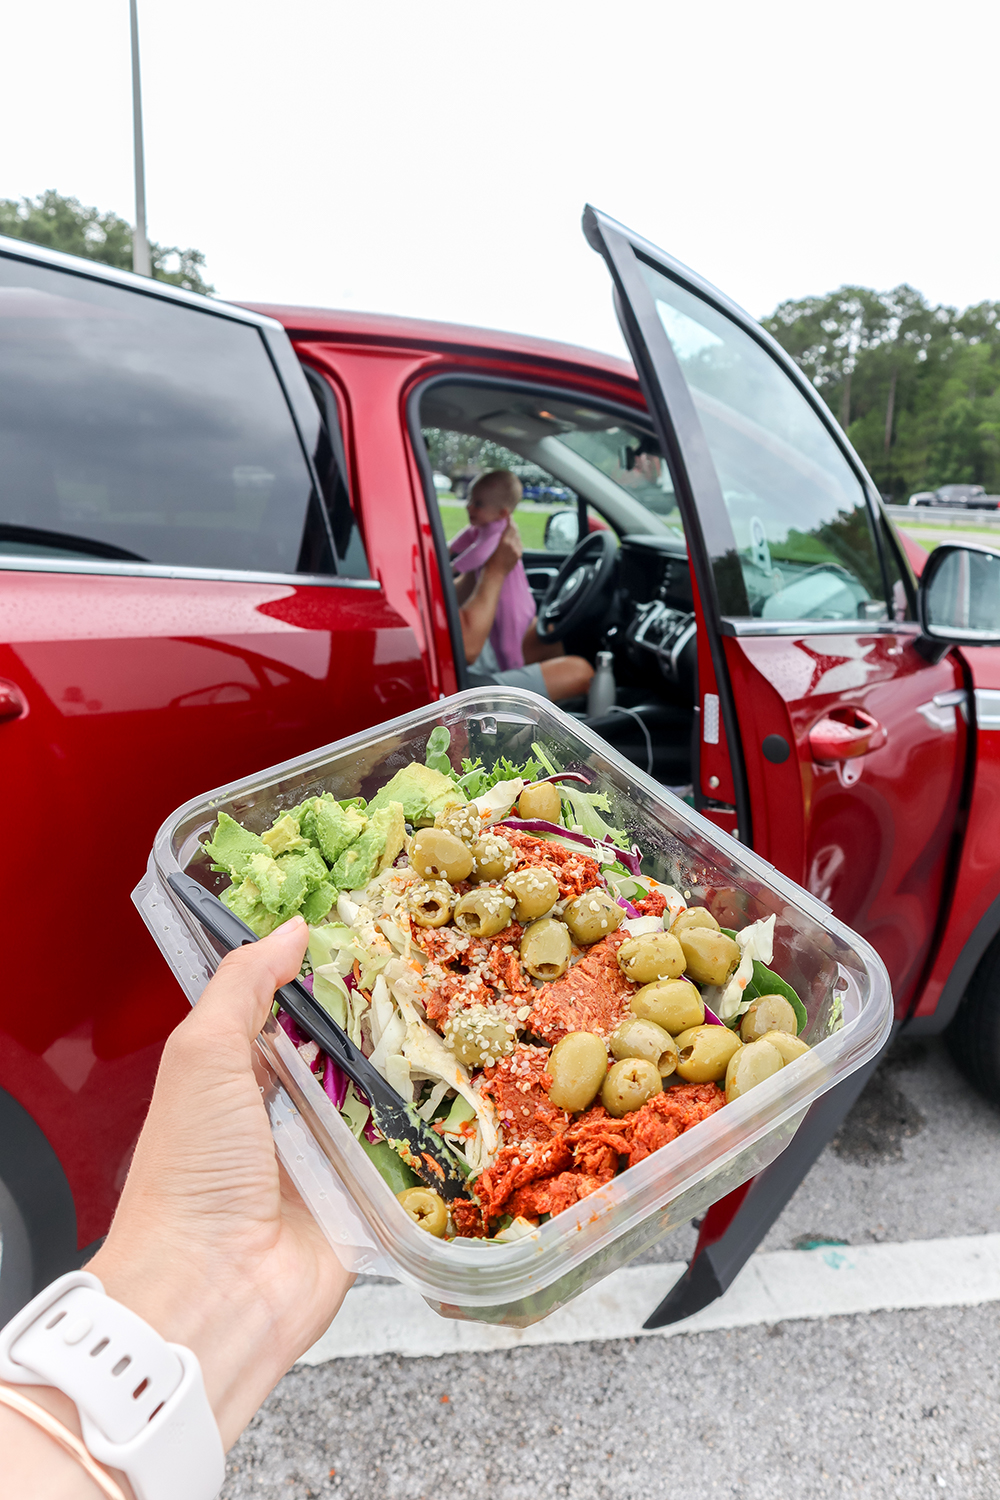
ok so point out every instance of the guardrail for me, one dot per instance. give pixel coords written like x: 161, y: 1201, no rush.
x: 932, y: 515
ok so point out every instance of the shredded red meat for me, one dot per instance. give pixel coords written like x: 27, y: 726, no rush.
x: 518, y: 1086
x: 574, y: 872
x: 561, y: 1171
x: 653, y: 905
x: 593, y: 995
x: 468, y: 1219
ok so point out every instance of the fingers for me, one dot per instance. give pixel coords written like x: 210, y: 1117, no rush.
x: 242, y: 991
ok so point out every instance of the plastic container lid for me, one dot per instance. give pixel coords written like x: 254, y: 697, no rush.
x: 839, y: 977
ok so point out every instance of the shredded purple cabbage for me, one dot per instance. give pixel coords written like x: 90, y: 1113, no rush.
x: 335, y: 1083
x: 291, y: 1030
x: 563, y: 776
x: 306, y: 980
x: 629, y: 909
x: 711, y: 1019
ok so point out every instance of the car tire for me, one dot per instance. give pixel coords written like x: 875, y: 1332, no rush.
x: 37, y: 1215
x: 973, y: 1037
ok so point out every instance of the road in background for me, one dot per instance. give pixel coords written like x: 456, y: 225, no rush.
x: 885, y: 1405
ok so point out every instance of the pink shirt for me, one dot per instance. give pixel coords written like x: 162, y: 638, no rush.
x: 469, y: 552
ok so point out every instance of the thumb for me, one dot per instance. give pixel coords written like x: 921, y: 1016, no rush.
x: 240, y: 995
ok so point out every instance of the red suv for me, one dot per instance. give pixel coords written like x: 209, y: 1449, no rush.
x: 224, y: 542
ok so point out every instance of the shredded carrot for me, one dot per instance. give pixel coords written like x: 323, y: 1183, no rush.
x: 357, y: 973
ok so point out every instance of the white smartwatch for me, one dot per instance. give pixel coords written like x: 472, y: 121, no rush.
x: 142, y: 1402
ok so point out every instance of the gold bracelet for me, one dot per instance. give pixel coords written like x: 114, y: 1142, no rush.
x: 66, y: 1439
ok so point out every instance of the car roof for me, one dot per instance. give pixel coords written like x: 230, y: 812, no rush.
x: 339, y: 326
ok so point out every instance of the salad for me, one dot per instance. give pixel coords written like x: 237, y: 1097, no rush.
x: 490, y: 942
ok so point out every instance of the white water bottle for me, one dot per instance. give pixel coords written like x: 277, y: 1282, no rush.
x: 601, y: 698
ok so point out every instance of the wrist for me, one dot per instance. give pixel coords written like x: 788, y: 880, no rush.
x: 227, y: 1324
x: 34, y: 1462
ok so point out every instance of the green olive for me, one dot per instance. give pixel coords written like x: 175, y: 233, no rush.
x: 709, y: 957
x: 430, y: 902
x: 577, y: 1066
x: 787, y: 1047
x: 652, y: 955
x: 769, y: 1013
x: 464, y: 822
x: 629, y: 1084
x: 477, y: 1034
x: 540, y: 801
x: 592, y: 916
x: 437, y: 854
x: 494, y: 857
x: 484, y: 912
x: 545, y: 948
x: 703, y: 1053
x: 636, y: 1038
x: 749, y: 1066
x: 694, y: 916
x: 674, y: 1004
x: 535, y: 890
x: 426, y: 1208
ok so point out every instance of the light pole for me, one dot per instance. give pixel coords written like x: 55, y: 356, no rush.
x: 140, y: 242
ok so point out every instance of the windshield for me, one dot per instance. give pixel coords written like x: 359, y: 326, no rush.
x: 632, y: 462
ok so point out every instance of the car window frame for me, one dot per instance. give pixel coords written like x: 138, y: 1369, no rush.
x: 713, y: 532
x: 292, y: 383
x: 419, y: 450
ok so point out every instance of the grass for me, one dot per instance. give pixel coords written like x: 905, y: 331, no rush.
x: 530, y: 523
x: 930, y: 536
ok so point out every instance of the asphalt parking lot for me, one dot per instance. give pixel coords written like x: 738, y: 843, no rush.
x: 884, y: 1404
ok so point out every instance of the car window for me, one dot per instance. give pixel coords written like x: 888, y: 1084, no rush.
x: 803, y: 530
x: 331, y: 466
x: 133, y: 427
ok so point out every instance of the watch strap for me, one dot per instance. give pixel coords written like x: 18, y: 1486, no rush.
x: 142, y: 1402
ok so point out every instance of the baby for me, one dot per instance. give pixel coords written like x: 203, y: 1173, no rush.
x: 491, y: 503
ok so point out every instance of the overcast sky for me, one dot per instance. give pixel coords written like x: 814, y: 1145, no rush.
x: 433, y: 158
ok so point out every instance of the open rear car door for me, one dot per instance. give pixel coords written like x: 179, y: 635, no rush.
x: 827, y: 741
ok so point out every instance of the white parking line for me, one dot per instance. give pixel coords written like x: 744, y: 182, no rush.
x: 788, y: 1284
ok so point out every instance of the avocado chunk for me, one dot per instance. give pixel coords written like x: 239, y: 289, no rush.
x: 371, y: 851
x: 422, y: 792
x: 283, y: 835
x: 244, y: 902
x: 266, y: 874
x: 333, y: 827
x: 318, y: 902
x: 231, y: 847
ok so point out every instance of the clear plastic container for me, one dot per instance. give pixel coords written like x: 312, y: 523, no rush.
x: 840, y: 978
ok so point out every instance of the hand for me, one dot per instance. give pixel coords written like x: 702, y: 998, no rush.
x: 509, y: 550
x: 211, y: 1244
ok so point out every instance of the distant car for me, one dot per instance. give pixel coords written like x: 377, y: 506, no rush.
x: 442, y: 483
x: 963, y: 496
x: 549, y: 494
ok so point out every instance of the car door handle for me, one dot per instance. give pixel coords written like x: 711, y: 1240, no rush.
x: 12, y: 701
x: 844, y: 733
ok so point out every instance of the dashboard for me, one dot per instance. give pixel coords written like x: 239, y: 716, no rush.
x: 656, y: 606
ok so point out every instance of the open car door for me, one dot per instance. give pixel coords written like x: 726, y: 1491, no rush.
x: 827, y: 741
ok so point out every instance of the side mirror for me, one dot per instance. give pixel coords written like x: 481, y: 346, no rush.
x: 562, y: 531
x: 958, y: 601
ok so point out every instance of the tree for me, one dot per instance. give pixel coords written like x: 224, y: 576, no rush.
x: 61, y: 223
x: 916, y: 387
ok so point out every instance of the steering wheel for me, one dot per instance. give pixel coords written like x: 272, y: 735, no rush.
x: 574, y: 594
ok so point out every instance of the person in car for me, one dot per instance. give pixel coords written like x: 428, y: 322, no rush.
x: 210, y: 1244
x: 496, y: 605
